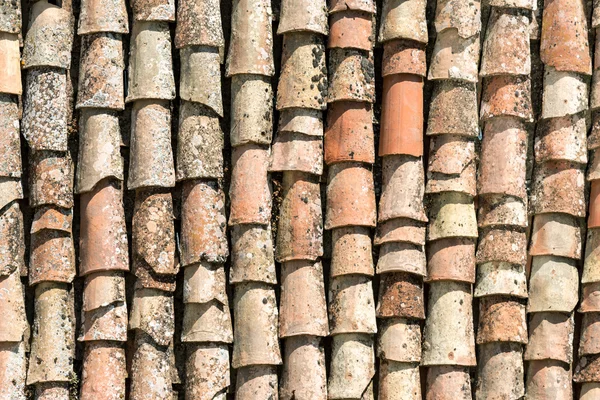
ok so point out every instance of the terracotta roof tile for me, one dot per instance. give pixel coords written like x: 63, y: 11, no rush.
x: 451, y: 214
x: 52, y: 257
x: 463, y: 16
x: 105, y: 370
x: 297, y: 152
x: 152, y: 313
x: 453, y: 109
x: 549, y: 337
x: 407, y: 350
x: 103, y: 289
x: 565, y: 93
x: 501, y: 278
x: 105, y: 324
x: 198, y: 24
x: 357, y: 5
x: 589, y: 334
x: 303, y: 16
x: 405, y: 230
x: 549, y: 378
x: 556, y: 235
x: 552, y: 178
x: 590, y: 298
x: 351, y: 251
x: 588, y: 369
x: 451, y: 259
x: 204, y: 282
x: 451, y: 381
x: 358, y: 23
x: 507, y: 95
x: 200, y: 79
x: 402, y: 19
x: 349, y: 135
x: 13, y: 325
x: 301, y: 120
x: 403, y: 57
x: 351, y: 76
x: 10, y: 81
x: 302, y: 307
x: 353, y: 366
x: 251, y: 110
x: 553, y: 285
x: 401, y: 295
x: 10, y: 141
x: 562, y: 139
x: 207, y: 322
x: 351, y: 303
x: 10, y: 190
x: 207, y: 369
x: 454, y: 57
x: 12, y: 245
x: 105, y: 16
x: 252, y: 256
x: 594, y: 209
x: 564, y: 40
x: 501, y: 210
x: 149, y: 363
x: 12, y: 360
x: 401, y: 257
x: 501, y: 319
x: 255, y: 331
x: 157, y: 10
x: 499, y: 364
x: 591, y: 266
x: 256, y: 380
x: 11, y: 17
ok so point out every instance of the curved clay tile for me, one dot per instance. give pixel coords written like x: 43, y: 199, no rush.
x: 303, y: 16
x: 250, y: 190
x: 104, y: 370
x: 358, y: 23
x: 402, y: 115
x: 200, y: 79
x: 152, y: 314
x: 101, y: 72
x: 591, y: 266
x: 405, y: 230
x: 255, y: 381
x: 147, y: 277
x: 353, y: 367
x: 297, y: 152
x: 12, y: 15
x: 51, y: 179
x: 10, y: 190
x: 403, y: 19
x: 349, y: 135
x: 351, y: 303
x: 49, y: 38
x: 594, y: 206
x: 452, y: 214
x: 448, y: 382
x: 454, y: 57
x: 99, y: 154
x: 251, y: 47
x: 198, y: 24
x: 451, y: 259
x: 504, y: 148
x: 149, y: 363
x: 553, y: 178
x: 47, y: 217
x: 103, y: 289
x: 553, y: 285
x: 301, y: 120
x: 506, y: 46
x: 403, y: 189
x: 12, y: 244
x: 450, y: 155
x: 300, y: 230
x: 153, y: 233
x: 150, y: 63
x: 589, y: 391
x: 151, y: 156
x: 53, y: 345
x: 398, y: 378
x: 52, y: 257
x: 502, y: 245
x: 564, y: 40
x: 448, y: 337
x: 203, y: 223
x: 200, y: 143
x: 389, y: 348
x: 403, y: 57
x: 500, y: 278
x: 102, y: 16
x: 252, y: 256
x: 302, y: 304
x: 453, y: 109
x: 351, y: 76
x: 206, y: 322
x: 401, y: 257
x: 548, y: 379
x: 401, y: 296
x: 593, y: 169
x: 464, y: 16
x: 589, y: 334
x: 303, y: 77
x: 501, y: 319
x: 157, y: 10
x: 13, y: 324
x: 501, y: 210
x: 204, y: 282
x: 549, y: 334
x: 556, y: 235
x: 465, y: 182
x: 46, y: 114
x: 251, y: 110
x: 207, y: 370
x: 565, y: 93
x: 10, y: 140
x: 303, y: 357
x: 525, y: 4
x: 563, y: 139
x: 351, y: 251
x: 255, y: 331
x: 14, y: 369
x: 498, y: 364
x: 107, y: 323
x: 350, y: 196
x: 103, y: 234
x: 506, y: 95
x: 10, y: 64
x: 353, y: 5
